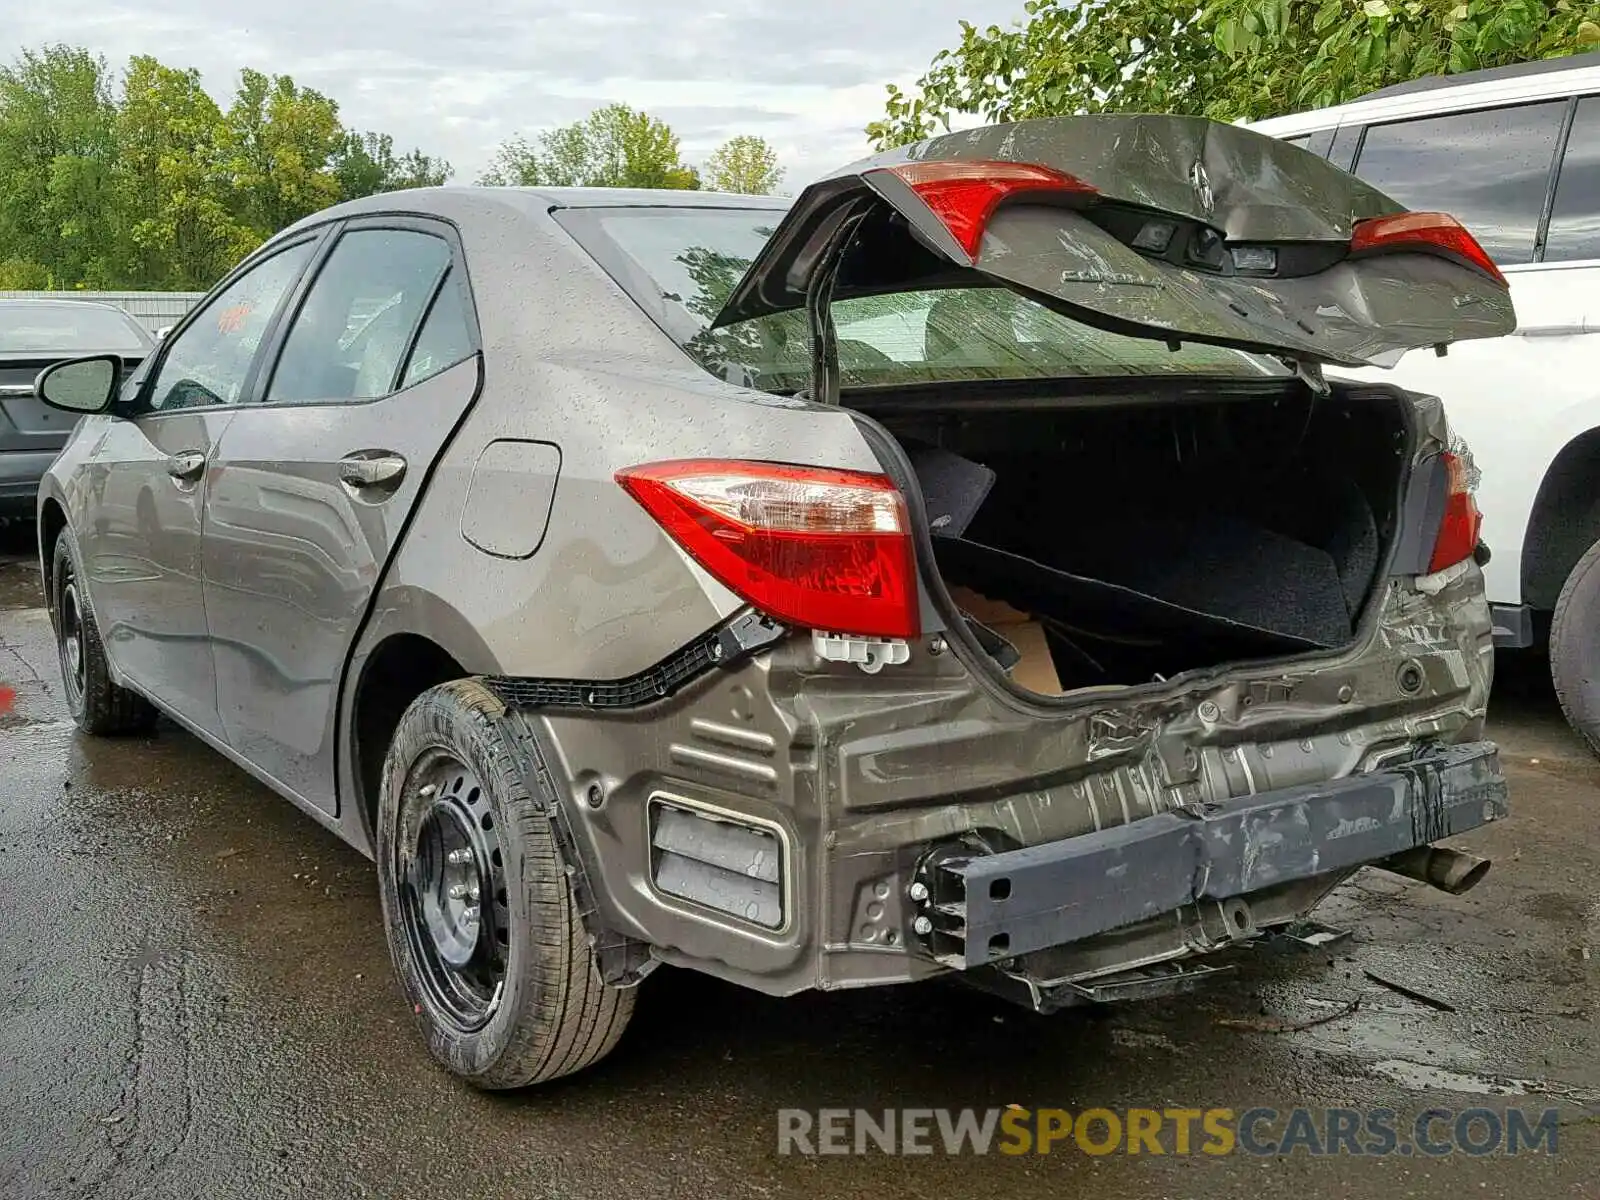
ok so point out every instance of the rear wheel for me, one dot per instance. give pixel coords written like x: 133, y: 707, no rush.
x: 1575, y: 647
x: 482, y: 928
x: 97, y: 704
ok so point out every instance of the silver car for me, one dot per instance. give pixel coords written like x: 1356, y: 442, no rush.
x: 964, y: 570
x: 34, y: 333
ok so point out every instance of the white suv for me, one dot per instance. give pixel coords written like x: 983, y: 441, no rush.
x: 1514, y: 153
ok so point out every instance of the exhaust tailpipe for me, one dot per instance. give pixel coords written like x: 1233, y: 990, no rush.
x: 1452, y: 871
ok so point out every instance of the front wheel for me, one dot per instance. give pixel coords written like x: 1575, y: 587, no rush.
x: 97, y: 704
x: 482, y: 928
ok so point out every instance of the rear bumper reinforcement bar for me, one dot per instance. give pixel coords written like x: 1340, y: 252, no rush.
x: 999, y: 905
x: 746, y: 633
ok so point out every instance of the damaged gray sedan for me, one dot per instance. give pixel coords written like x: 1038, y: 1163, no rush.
x: 964, y: 570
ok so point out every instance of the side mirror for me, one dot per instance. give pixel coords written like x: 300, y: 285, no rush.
x: 80, y: 385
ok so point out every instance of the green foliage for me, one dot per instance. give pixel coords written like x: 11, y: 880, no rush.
x: 145, y: 182
x: 366, y: 164
x: 172, y: 225
x: 746, y: 165
x: 20, y: 275
x: 614, y: 146
x: 1226, y: 59
x: 280, y: 140
x: 57, y: 157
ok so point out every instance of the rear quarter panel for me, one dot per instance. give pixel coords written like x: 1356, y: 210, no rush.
x: 571, y: 361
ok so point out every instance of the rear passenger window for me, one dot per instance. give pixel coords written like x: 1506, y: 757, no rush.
x: 1342, y: 151
x: 445, y: 338
x: 1490, y: 169
x: 1575, y: 219
x: 1320, y: 142
x: 1317, y: 142
x: 351, y: 334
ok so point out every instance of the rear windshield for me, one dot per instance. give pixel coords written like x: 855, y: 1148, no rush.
x: 680, y: 264
x: 65, y: 327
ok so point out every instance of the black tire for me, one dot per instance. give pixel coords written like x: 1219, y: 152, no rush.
x: 528, y: 1005
x: 97, y: 704
x: 1575, y: 648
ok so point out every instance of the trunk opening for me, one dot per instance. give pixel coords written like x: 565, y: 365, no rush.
x: 1129, y: 539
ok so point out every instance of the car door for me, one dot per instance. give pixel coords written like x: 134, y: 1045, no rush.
x: 1494, y: 169
x: 313, y: 485
x: 140, y: 536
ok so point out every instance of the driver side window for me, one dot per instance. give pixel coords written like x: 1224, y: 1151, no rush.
x: 207, y: 363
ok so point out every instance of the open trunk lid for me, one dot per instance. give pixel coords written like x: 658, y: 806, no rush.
x: 1170, y: 228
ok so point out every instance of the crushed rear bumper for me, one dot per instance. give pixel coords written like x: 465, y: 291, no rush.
x: 991, y: 907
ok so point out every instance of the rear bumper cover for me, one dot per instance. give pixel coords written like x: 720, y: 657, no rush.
x: 1037, y: 897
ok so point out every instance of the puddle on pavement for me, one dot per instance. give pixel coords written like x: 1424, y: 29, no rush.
x: 1425, y: 1078
x: 34, y: 795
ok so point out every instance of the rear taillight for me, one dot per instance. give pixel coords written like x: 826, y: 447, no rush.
x: 964, y: 195
x: 1458, y: 531
x: 821, y: 549
x: 1424, y: 232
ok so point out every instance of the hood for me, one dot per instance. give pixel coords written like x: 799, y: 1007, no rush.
x: 1171, y: 228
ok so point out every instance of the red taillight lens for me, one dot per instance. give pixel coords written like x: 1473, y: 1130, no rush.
x: 821, y: 549
x: 1427, y: 232
x: 1458, y: 531
x: 964, y: 195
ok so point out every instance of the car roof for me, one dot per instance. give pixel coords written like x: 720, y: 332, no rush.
x: 1547, y: 79
x: 458, y: 200
x: 51, y: 302
x: 648, y: 198
x: 1543, y: 66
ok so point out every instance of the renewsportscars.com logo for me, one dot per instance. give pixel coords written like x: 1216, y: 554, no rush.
x: 1317, y: 1132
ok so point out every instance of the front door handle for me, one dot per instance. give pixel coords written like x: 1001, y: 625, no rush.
x: 383, y: 470
x: 186, y: 466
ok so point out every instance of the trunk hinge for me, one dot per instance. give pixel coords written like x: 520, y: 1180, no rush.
x: 1308, y: 373
x: 819, y: 310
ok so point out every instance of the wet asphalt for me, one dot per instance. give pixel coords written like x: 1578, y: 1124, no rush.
x: 196, y: 1001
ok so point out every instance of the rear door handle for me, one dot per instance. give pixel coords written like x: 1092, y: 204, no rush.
x: 186, y: 466
x: 383, y: 470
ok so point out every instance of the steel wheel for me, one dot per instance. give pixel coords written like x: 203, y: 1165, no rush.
x: 488, y: 944
x: 70, y: 639
x: 453, y: 892
x: 97, y: 703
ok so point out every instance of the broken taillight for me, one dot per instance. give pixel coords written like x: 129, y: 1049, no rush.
x: 964, y: 195
x: 1458, y: 531
x: 813, y: 547
x: 1425, y: 232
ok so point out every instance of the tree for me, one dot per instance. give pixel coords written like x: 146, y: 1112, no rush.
x: 147, y: 183
x: 57, y: 151
x: 282, y: 138
x: 366, y: 164
x: 1225, y: 59
x: 744, y: 164
x: 21, y: 275
x: 175, y: 224
x: 614, y: 146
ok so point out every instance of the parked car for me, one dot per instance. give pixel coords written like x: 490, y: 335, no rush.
x: 965, y: 570
x: 33, y: 335
x: 1514, y: 152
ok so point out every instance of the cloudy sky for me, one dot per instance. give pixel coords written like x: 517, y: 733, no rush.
x: 457, y: 78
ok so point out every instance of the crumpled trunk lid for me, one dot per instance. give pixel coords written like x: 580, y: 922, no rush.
x: 1229, y: 195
